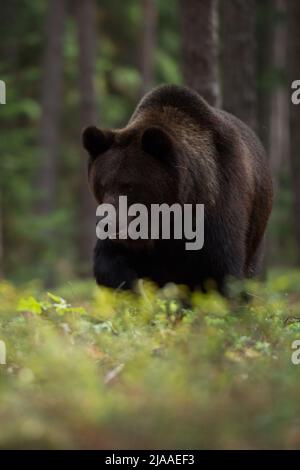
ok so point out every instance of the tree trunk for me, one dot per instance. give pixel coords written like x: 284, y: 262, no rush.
x: 50, y: 104
x: 85, y: 15
x: 239, y: 59
x: 149, y: 13
x: 264, y: 50
x: 278, y: 123
x: 294, y: 74
x: 279, y: 107
x: 199, y: 47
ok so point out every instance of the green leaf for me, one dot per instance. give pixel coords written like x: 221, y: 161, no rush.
x: 55, y: 298
x: 30, y: 305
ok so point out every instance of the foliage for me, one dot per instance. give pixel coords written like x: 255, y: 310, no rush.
x: 88, y: 367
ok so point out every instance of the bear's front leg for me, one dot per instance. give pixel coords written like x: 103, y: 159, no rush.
x: 112, y: 267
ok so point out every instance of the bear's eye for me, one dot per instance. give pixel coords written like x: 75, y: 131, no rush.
x: 96, y: 141
x: 157, y: 142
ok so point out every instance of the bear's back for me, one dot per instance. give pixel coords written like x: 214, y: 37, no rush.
x: 178, y: 97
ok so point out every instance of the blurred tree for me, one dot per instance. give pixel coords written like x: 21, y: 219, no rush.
x: 7, y: 52
x: 85, y: 16
x: 274, y: 113
x: 238, y: 23
x: 50, y: 104
x: 264, y: 36
x: 20, y: 50
x: 279, y: 106
x: 294, y: 74
x: 149, y: 13
x: 51, y: 97
x: 199, y: 47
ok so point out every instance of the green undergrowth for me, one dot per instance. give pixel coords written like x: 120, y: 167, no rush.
x: 87, y: 367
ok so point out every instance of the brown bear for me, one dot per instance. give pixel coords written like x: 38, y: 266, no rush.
x: 177, y: 148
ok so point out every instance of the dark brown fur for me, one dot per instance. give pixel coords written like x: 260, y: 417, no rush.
x: 177, y: 148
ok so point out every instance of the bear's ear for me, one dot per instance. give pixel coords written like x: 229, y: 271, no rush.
x: 157, y: 142
x: 96, y: 141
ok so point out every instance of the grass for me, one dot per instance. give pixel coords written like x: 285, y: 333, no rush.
x: 92, y: 368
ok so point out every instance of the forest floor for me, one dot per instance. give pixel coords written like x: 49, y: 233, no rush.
x: 91, y: 368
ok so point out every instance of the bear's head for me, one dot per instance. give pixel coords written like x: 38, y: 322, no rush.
x: 138, y: 162
x: 135, y: 162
